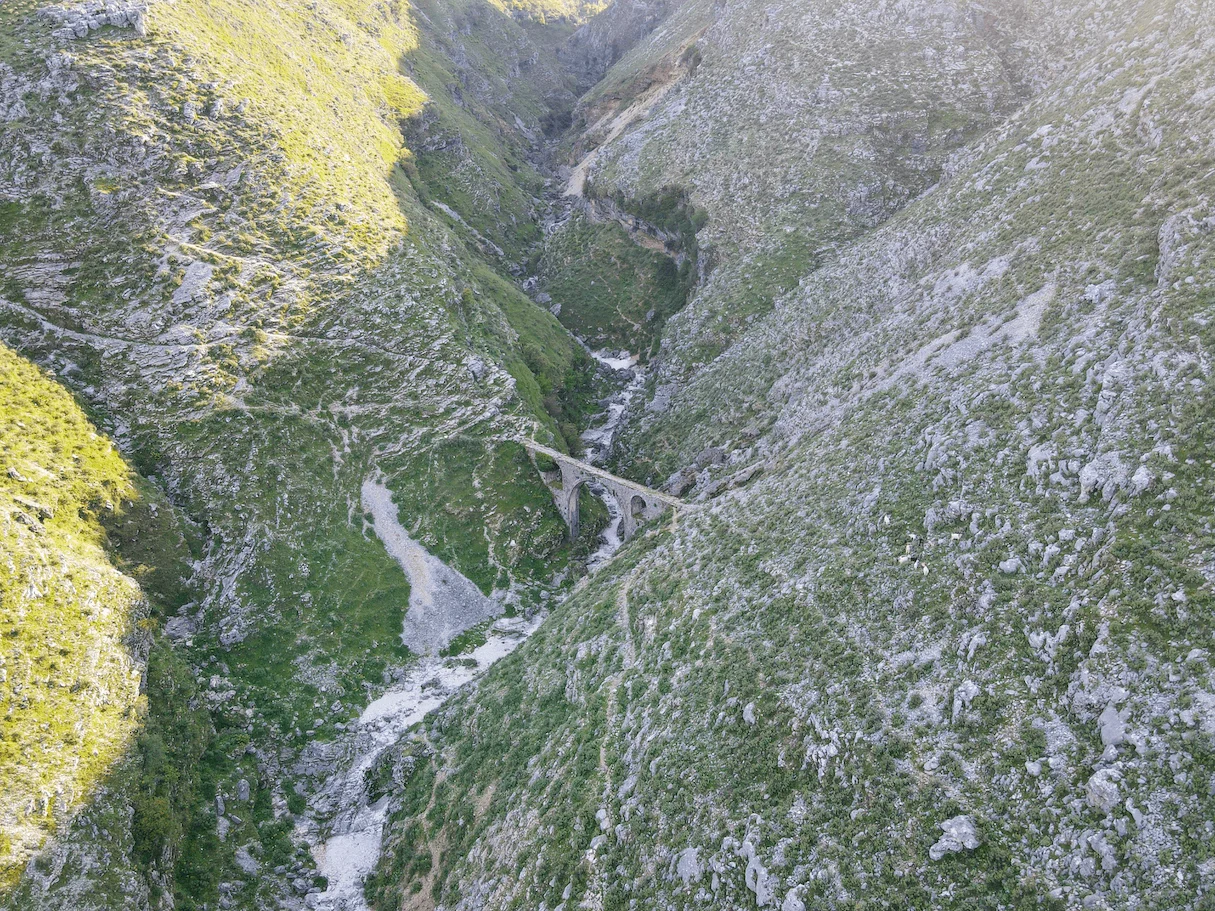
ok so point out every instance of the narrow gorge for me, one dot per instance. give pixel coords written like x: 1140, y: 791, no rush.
x: 483, y: 455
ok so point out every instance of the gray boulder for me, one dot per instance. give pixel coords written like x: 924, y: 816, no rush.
x: 959, y: 835
x: 688, y: 867
x: 1113, y: 726
x: 1102, y: 790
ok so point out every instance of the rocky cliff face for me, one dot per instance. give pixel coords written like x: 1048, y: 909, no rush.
x: 605, y: 39
x: 922, y: 291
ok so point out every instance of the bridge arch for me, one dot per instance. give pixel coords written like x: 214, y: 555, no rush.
x: 636, y: 503
x: 571, y: 489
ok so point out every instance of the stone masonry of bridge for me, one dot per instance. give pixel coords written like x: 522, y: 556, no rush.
x: 637, y: 503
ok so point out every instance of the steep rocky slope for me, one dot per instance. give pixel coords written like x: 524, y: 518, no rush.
x: 942, y: 637
x: 793, y: 127
x: 922, y: 289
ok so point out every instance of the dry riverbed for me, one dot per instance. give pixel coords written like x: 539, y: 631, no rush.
x: 442, y: 604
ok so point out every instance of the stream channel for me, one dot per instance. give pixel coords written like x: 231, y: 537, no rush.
x: 442, y: 603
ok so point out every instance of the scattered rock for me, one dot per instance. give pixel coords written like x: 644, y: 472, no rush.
x: 963, y: 696
x: 1141, y: 480
x: 681, y: 482
x: 1105, y: 473
x: 960, y: 834
x: 1102, y: 790
x: 688, y: 866
x: 757, y: 878
x: 194, y: 284
x: 180, y: 628
x: 77, y: 21
x: 246, y: 861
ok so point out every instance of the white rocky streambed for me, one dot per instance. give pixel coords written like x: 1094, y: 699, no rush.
x: 442, y: 604
x: 598, y: 442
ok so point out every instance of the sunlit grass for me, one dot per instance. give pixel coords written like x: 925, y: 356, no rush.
x: 323, y: 81
x: 69, y: 687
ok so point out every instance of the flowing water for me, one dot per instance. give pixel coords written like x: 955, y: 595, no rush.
x: 599, y: 440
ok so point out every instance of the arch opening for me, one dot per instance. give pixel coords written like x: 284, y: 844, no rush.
x: 573, y: 500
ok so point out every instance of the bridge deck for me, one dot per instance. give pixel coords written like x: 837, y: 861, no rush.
x: 647, y: 492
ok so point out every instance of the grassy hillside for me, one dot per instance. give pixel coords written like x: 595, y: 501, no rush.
x: 613, y: 292
x: 211, y: 233
x: 572, y: 11
x: 84, y: 539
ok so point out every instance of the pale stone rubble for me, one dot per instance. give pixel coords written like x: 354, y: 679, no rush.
x: 959, y: 835
x: 78, y: 21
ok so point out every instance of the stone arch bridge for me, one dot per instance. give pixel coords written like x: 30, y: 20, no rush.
x: 637, y: 503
